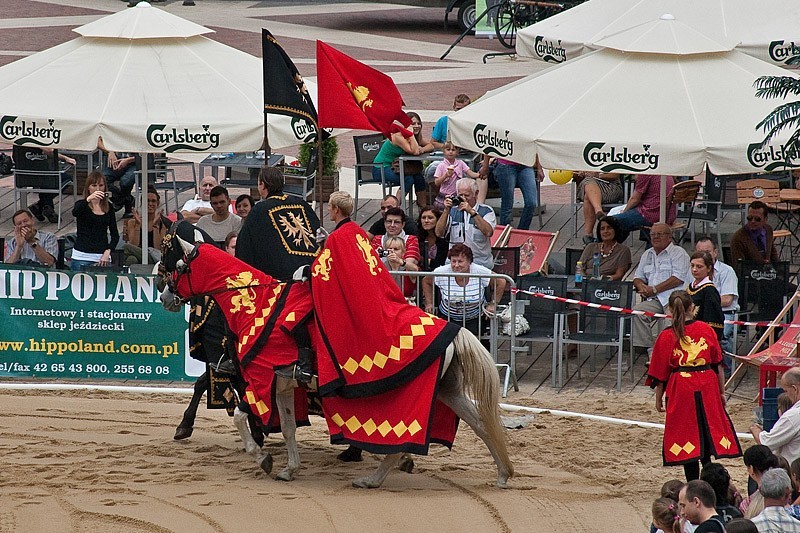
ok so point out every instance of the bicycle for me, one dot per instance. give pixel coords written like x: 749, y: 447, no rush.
x: 513, y: 15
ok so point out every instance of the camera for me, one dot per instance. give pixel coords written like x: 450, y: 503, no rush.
x: 456, y: 199
x: 107, y: 194
x: 382, y: 252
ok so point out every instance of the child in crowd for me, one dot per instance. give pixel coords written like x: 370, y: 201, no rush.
x: 666, y: 516
x: 395, y: 249
x: 448, y: 172
x: 784, y: 403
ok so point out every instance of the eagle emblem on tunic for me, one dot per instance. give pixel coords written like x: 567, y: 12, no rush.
x: 293, y: 227
x: 361, y: 94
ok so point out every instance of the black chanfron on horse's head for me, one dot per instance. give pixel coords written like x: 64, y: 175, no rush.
x: 180, y: 245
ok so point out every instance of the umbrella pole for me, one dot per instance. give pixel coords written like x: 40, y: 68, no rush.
x: 662, y: 211
x: 143, y: 209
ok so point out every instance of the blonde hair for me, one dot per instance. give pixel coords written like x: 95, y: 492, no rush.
x: 343, y: 201
x: 395, y: 241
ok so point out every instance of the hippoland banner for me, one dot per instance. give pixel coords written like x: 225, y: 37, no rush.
x: 55, y: 323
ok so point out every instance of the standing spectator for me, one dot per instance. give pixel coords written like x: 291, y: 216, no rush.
x: 685, y: 367
x: 776, y: 487
x: 727, y: 285
x: 644, y: 206
x: 379, y: 228
x: 221, y: 221
x: 705, y: 296
x: 755, y: 241
x: 462, y: 297
x: 448, y: 173
x: 662, y: 269
x: 697, y: 504
x: 439, y: 132
x: 394, y: 220
x: 594, y: 190
x: 244, y: 203
x: 471, y: 223
x: 132, y: 231
x: 432, y: 249
x: 29, y: 245
x: 509, y: 176
x: 200, y: 206
x: 784, y: 437
x: 96, y: 225
x: 403, y: 142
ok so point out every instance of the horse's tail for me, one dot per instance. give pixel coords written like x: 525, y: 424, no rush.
x: 482, y: 384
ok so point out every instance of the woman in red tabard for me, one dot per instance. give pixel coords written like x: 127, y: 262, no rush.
x: 686, y: 366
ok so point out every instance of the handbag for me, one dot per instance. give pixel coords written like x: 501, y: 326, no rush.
x: 410, y: 168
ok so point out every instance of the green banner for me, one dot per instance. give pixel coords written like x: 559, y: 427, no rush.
x: 88, y: 325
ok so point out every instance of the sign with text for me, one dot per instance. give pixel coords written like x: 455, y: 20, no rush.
x: 88, y: 325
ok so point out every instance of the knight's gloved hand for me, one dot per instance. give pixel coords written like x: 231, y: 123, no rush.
x: 322, y: 234
x: 302, y: 273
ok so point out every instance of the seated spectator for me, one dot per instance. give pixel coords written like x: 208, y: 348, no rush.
x: 754, y: 241
x: 392, y: 257
x: 132, y: 232
x: 615, y: 256
x: 758, y: 459
x: 221, y: 221
x: 29, y: 245
x: 784, y: 437
x: 244, y: 203
x: 594, y: 190
x: 644, y: 206
x: 432, y: 249
x: 97, y: 232
x: 463, y: 298
x: 379, y: 228
x: 45, y: 207
x: 200, y: 206
x: 775, y: 487
x: 121, y: 177
x: 403, y: 142
x: 230, y: 244
x: 469, y: 222
x: 450, y: 170
x: 717, y: 476
x: 394, y: 220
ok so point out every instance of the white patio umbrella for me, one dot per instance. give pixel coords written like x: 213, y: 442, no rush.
x: 628, y: 112
x: 766, y: 29
x: 142, y: 89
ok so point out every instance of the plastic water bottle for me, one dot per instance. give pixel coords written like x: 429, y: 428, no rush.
x: 596, y: 266
x: 579, y: 273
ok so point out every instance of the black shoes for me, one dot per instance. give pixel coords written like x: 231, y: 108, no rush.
x: 37, y: 211
x: 50, y: 213
x: 296, y: 373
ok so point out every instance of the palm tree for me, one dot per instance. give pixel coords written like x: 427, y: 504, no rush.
x: 784, y: 116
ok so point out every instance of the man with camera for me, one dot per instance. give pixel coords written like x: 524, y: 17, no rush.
x: 471, y: 223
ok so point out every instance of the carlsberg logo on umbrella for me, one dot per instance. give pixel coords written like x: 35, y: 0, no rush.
x: 769, y: 158
x: 549, y: 51
x: 491, y: 142
x: 24, y: 132
x: 174, y: 139
x: 782, y: 52
x: 609, y: 159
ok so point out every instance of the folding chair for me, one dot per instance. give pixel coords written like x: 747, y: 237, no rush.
x: 683, y: 194
x: 762, y: 288
x: 603, y: 328
x: 167, y: 182
x: 367, y: 147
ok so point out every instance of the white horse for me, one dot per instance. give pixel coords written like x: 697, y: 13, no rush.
x: 468, y: 370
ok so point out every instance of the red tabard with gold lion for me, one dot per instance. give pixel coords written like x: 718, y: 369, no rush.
x: 696, y: 423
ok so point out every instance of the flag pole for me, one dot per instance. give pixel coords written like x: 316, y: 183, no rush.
x: 318, y: 181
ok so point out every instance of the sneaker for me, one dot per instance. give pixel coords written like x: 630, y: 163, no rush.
x: 50, y: 213
x: 37, y: 211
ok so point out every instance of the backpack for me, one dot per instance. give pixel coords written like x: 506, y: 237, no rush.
x: 6, y: 165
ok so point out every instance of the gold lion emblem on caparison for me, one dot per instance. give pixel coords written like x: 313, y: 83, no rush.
x: 245, y: 299
x: 323, y: 267
x: 366, y: 252
x: 361, y: 94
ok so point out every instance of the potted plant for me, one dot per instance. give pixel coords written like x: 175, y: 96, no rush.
x: 329, y: 181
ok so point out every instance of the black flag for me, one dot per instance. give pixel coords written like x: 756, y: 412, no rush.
x: 285, y: 91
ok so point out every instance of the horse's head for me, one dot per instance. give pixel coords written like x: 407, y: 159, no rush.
x: 178, y: 249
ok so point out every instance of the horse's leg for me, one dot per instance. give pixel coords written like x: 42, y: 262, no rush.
x: 375, y: 480
x: 284, y: 400
x: 185, y: 428
x: 264, y: 460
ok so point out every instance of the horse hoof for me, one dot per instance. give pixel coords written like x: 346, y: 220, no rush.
x: 285, y: 475
x: 406, y: 465
x: 365, y: 483
x: 266, y: 464
x: 183, y: 433
x: 502, y: 483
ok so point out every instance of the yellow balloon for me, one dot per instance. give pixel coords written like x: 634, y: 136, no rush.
x: 560, y: 177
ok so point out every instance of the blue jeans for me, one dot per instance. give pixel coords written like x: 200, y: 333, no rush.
x: 632, y: 220
x: 415, y: 181
x: 510, y: 177
x: 76, y: 265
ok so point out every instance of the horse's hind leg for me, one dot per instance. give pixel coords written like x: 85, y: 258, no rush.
x: 466, y: 411
x: 375, y: 480
x: 284, y: 400
x: 264, y: 460
x: 185, y: 428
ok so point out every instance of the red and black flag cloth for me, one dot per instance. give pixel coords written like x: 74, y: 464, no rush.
x: 285, y: 92
x: 353, y: 95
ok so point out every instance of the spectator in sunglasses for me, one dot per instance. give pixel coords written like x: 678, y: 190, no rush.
x: 754, y: 242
